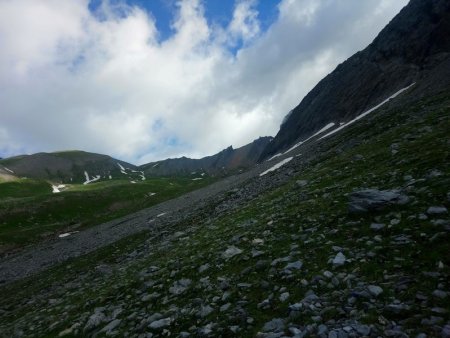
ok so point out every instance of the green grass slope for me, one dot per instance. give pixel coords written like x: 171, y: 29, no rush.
x: 182, y: 282
x: 29, y: 211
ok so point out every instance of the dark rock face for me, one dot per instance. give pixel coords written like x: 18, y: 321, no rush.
x: 373, y: 200
x: 413, y: 47
x: 226, y: 161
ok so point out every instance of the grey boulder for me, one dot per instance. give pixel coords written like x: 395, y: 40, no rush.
x: 372, y: 200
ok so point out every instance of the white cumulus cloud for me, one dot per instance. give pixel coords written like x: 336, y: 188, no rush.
x: 106, y: 82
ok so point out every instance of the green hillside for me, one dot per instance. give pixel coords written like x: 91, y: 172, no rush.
x: 29, y: 211
x: 293, y: 260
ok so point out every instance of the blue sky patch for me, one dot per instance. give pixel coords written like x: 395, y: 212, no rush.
x: 216, y: 11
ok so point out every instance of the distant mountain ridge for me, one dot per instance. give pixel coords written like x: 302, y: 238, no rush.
x: 85, y: 167
x: 65, y: 166
x: 413, y: 47
x: 224, y: 162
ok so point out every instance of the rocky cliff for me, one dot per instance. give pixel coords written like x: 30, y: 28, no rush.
x: 413, y: 47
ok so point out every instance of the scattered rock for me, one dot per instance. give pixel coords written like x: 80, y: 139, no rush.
x: 439, y: 210
x: 203, y: 268
x: 375, y: 290
x: 180, y: 286
x: 231, y: 252
x: 377, y: 226
x: 339, y: 259
x: 440, y: 294
x: 294, y: 265
x: 373, y: 200
x: 159, y: 324
x: 97, y: 318
x: 111, y: 326
x: 275, y: 325
x: 284, y: 297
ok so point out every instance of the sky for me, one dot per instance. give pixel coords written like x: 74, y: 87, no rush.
x: 145, y: 80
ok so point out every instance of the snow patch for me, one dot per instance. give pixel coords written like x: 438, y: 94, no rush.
x: 155, y: 165
x: 276, y: 166
x: 328, y: 126
x: 367, y: 112
x: 122, y: 169
x: 133, y: 182
x: 196, y: 179
x: 275, y: 156
x: 142, y: 175
x: 110, y: 177
x: 57, y: 188
x: 161, y: 214
x: 150, y: 194
x: 96, y: 178
x: 12, y: 172
x: 67, y: 234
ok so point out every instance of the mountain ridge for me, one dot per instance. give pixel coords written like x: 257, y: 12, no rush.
x: 82, y: 166
x: 411, y: 48
x: 226, y: 161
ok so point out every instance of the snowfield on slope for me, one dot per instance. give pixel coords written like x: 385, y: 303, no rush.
x: 57, y: 188
x: 96, y: 178
x: 12, y: 172
x: 276, y: 166
x: 367, y: 112
x: 328, y: 126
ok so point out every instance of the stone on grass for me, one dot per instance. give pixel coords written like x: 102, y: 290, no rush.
x: 111, y: 326
x: 275, y: 325
x: 339, y: 259
x: 95, y: 319
x: 439, y: 210
x: 180, y: 286
x: 372, y: 200
x: 377, y: 226
x: 294, y: 266
x: 375, y: 290
x: 231, y: 251
x: 159, y: 324
x: 439, y: 294
x: 284, y: 297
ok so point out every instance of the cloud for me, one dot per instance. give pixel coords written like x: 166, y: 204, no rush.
x: 105, y: 82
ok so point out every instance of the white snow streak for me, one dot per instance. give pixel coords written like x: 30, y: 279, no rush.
x: 274, y: 156
x: 276, y: 166
x: 121, y: 167
x: 161, y: 215
x: 196, y: 179
x: 342, y: 126
x: 12, y: 172
x: 96, y: 178
x: 57, y: 188
x: 328, y: 126
x: 67, y: 234
x: 142, y: 175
